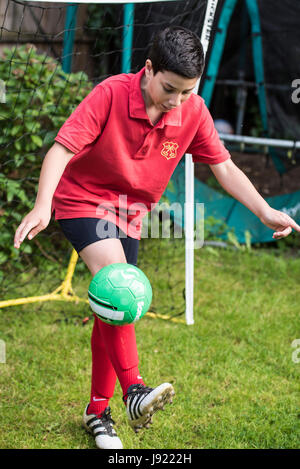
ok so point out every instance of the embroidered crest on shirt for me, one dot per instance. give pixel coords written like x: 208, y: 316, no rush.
x: 169, y: 150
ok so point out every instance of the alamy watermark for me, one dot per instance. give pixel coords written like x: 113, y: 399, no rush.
x: 2, y: 92
x: 163, y: 220
x: 2, y: 351
x: 296, y: 92
x: 296, y: 353
x: 292, y: 211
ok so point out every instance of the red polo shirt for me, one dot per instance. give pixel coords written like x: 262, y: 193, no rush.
x: 122, y: 162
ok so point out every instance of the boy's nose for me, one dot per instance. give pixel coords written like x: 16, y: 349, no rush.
x: 175, y: 100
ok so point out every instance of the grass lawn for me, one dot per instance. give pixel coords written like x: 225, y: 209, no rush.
x: 235, y: 381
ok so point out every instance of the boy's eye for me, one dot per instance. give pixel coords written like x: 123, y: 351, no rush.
x: 168, y: 90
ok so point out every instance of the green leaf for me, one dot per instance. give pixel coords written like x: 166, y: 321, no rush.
x: 18, y: 145
x: 16, y: 129
x: 49, y: 138
x: 233, y: 240
x: 27, y: 248
x: 37, y: 140
x: 3, y: 257
x: 18, y: 160
x: 248, y: 240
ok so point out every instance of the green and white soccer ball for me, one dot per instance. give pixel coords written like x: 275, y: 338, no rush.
x: 120, y: 294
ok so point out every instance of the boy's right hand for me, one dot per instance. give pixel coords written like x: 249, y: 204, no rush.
x: 34, y: 222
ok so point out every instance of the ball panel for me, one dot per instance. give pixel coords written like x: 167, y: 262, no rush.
x: 140, y: 307
x: 121, y: 298
x: 137, y: 288
x: 120, y: 294
x: 104, y: 312
x: 122, y: 275
x: 104, y: 289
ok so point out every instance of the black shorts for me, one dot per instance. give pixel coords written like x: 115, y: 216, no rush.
x: 84, y: 231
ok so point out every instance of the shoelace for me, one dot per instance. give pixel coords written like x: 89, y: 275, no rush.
x: 137, y: 389
x: 106, y: 420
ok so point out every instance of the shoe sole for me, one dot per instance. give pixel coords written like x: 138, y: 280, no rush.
x: 162, y: 395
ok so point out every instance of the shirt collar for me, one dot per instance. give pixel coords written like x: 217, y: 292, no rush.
x: 137, y: 107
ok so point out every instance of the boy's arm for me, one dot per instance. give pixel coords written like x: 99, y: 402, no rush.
x: 52, y: 169
x: 236, y: 183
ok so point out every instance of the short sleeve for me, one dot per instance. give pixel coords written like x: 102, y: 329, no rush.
x: 87, y: 121
x: 206, y: 146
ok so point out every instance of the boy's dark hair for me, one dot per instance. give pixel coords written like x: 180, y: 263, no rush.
x: 178, y: 50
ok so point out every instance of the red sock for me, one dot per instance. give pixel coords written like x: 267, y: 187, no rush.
x: 97, y: 407
x: 120, y: 343
x: 103, y: 373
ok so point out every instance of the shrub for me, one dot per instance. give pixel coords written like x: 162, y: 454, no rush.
x: 39, y: 97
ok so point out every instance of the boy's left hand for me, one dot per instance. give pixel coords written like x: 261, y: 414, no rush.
x: 280, y: 222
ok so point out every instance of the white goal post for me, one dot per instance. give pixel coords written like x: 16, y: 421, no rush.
x: 189, y: 186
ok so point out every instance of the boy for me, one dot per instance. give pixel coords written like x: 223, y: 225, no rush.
x: 111, y: 153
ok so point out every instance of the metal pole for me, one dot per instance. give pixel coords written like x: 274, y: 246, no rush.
x: 267, y: 142
x: 127, y: 37
x: 189, y: 222
x: 69, y: 36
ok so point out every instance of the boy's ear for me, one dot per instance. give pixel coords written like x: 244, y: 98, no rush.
x: 148, y: 69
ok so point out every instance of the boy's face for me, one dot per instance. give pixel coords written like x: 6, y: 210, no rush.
x: 166, y: 90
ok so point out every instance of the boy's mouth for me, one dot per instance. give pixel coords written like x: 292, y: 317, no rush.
x: 166, y: 108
